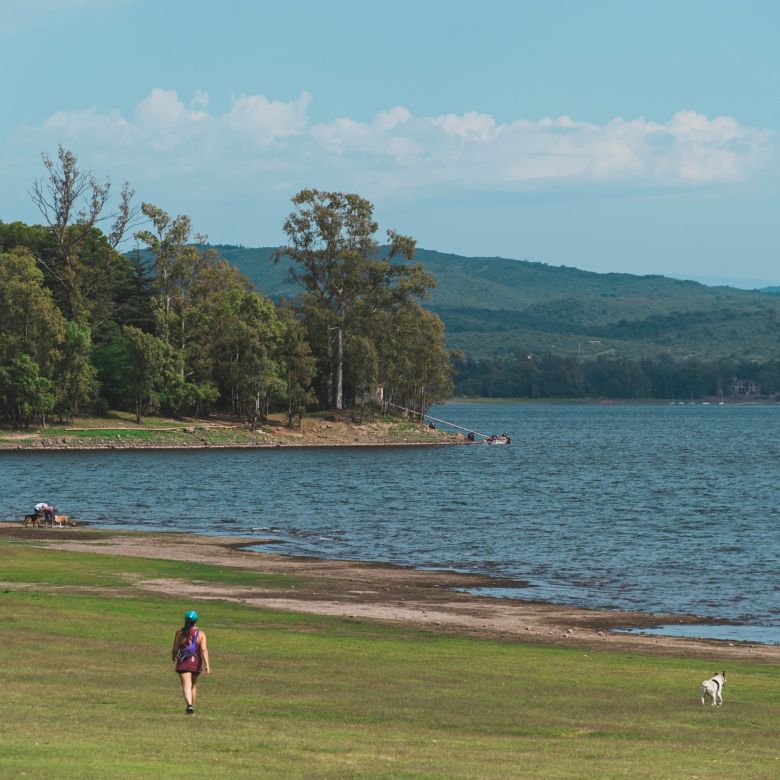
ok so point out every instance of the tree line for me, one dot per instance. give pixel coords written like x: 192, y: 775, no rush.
x: 172, y: 328
x: 551, y: 376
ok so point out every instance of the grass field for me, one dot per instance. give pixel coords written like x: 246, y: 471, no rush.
x: 87, y: 690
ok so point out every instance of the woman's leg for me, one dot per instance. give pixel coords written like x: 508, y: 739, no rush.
x: 195, y: 676
x: 186, y: 687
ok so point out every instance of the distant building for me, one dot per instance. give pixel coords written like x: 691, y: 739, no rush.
x: 745, y: 387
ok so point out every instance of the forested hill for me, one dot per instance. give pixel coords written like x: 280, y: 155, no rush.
x: 498, y: 307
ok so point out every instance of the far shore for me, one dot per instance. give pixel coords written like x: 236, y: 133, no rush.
x: 433, y: 600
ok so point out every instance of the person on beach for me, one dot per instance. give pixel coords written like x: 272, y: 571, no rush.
x: 47, y: 510
x: 190, y: 654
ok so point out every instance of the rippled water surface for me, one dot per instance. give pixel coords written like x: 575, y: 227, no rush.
x: 656, y: 508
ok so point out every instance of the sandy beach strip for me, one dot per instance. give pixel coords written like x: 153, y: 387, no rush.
x: 432, y: 600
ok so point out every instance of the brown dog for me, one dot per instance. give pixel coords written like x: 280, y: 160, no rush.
x: 33, y: 519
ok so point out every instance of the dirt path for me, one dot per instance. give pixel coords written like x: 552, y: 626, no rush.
x: 391, y: 594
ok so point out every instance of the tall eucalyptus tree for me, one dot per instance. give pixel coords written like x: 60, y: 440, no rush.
x: 346, y: 276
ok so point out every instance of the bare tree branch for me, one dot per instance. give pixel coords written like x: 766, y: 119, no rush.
x: 127, y: 216
x: 72, y: 204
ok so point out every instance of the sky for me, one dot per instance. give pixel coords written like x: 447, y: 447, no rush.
x: 610, y: 135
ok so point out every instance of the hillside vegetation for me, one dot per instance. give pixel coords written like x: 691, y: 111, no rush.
x: 497, y: 307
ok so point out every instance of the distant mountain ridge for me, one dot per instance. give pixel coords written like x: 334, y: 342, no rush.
x: 494, y: 306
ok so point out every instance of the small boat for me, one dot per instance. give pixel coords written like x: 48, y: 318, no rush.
x: 497, y: 440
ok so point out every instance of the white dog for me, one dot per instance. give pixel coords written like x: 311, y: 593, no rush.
x: 714, y: 688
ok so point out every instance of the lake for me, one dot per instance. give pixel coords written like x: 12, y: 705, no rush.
x: 659, y: 508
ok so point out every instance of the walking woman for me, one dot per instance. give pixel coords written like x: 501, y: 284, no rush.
x: 190, y: 654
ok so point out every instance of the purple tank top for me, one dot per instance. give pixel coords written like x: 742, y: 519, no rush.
x: 189, y: 655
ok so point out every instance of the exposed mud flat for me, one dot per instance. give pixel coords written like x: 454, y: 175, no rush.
x: 391, y: 594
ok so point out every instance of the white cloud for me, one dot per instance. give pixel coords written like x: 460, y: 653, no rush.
x: 470, y: 127
x: 272, y: 143
x: 200, y: 99
x: 265, y: 120
x: 473, y: 150
x: 387, y: 120
x: 385, y: 136
x: 162, y: 110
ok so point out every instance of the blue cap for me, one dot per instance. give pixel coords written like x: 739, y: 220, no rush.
x: 191, y: 616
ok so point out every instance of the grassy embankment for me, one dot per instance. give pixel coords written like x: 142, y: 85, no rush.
x: 87, y: 690
x: 119, y: 430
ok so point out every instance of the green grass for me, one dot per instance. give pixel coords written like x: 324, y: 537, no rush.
x: 86, y: 690
x: 146, y: 434
x: 408, y: 430
x: 127, y: 433
x: 29, y: 564
x: 152, y: 437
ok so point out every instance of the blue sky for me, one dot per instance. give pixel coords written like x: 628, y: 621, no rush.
x: 637, y: 137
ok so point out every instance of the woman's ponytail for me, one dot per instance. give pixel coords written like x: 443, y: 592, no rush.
x: 184, y: 634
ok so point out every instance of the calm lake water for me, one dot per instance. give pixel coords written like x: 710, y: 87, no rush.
x: 668, y: 508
